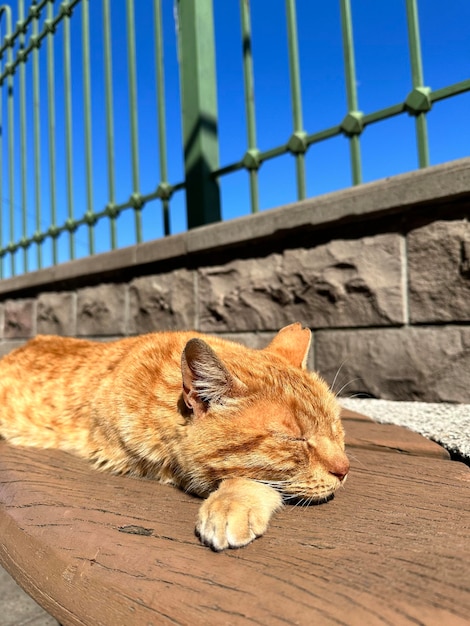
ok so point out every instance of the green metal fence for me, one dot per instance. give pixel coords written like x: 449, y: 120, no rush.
x: 417, y: 103
x: 21, y: 46
x: 29, y: 156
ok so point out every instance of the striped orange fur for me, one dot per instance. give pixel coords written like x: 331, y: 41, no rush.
x: 243, y: 428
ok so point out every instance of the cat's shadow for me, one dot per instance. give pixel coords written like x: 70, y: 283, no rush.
x: 293, y: 501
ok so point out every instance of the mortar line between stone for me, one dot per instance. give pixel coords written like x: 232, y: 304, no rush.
x: 34, y: 313
x: 405, y: 278
x: 196, y: 298
x: 126, y: 309
x: 74, y: 313
x: 2, y: 322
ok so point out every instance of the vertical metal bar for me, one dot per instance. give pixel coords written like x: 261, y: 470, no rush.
x: 108, y: 73
x: 131, y: 63
x: 51, y: 126
x: 11, y: 142
x: 296, y: 97
x: 68, y: 130
x: 351, y: 89
x: 417, y: 79
x: 199, y: 105
x: 87, y: 123
x: 37, y: 143
x: 5, y: 9
x: 355, y: 152
x: 348, y: 45
x: 422, y: 139
x: 249, y: 83
x: 1, y: 162
x: 414, y: 43
x: 160, y: 81
x: 24, y: 199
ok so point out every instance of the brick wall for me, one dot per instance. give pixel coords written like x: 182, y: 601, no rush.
x: 381, y: 273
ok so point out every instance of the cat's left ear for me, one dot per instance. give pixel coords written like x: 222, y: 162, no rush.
x: 293, y: 344
x: 206, y: 380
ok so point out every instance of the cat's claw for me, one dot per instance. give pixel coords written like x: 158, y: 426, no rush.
x: 236, y: 514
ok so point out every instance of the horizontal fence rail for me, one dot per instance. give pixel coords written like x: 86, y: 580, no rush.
x: 62, y: 96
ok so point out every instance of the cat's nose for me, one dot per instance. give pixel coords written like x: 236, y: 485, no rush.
x: 340, y: 468
x: 340, y: 475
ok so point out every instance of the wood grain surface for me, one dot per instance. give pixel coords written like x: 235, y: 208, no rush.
x: 393, y: 546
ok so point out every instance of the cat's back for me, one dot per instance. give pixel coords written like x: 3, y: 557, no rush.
x: 47, y: 385
x: 50, y: 355
x: 48, y: 369
x: 54, y: 363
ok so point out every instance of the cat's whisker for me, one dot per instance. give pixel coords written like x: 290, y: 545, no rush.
x: 346, y: 385
x: 307, y: 500
x: 289, y: 496
x: 273, y: 482
x: 361, y: 394
x: 350, y: 455
x: 298, y: 503
x: 355, y: 458
x: 278, y: 485
x: 292, y: 500
x: 332, y: 386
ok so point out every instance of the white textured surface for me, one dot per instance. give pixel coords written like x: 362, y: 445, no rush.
x: 448, y: 424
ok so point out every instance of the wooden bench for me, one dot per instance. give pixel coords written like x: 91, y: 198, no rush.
x: 393, y: 547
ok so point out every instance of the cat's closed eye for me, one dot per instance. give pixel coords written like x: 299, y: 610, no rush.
x: 303, y: 439
x: 287, y: 437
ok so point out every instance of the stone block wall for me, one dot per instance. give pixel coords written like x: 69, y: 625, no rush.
x: 386, y: 292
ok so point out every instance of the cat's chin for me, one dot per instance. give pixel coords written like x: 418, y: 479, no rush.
x: 307, y: 500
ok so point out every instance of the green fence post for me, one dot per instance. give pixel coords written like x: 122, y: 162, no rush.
x: 199, y: 108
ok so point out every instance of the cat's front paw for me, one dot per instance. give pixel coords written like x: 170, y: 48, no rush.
x: 238, y: 512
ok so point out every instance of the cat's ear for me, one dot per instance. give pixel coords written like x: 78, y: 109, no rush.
x: 206, y: 380
x: 292, y: 343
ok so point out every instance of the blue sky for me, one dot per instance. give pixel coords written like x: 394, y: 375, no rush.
x: 383, y: 79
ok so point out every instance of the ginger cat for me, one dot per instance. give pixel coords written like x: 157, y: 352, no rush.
x: 242, y: 427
